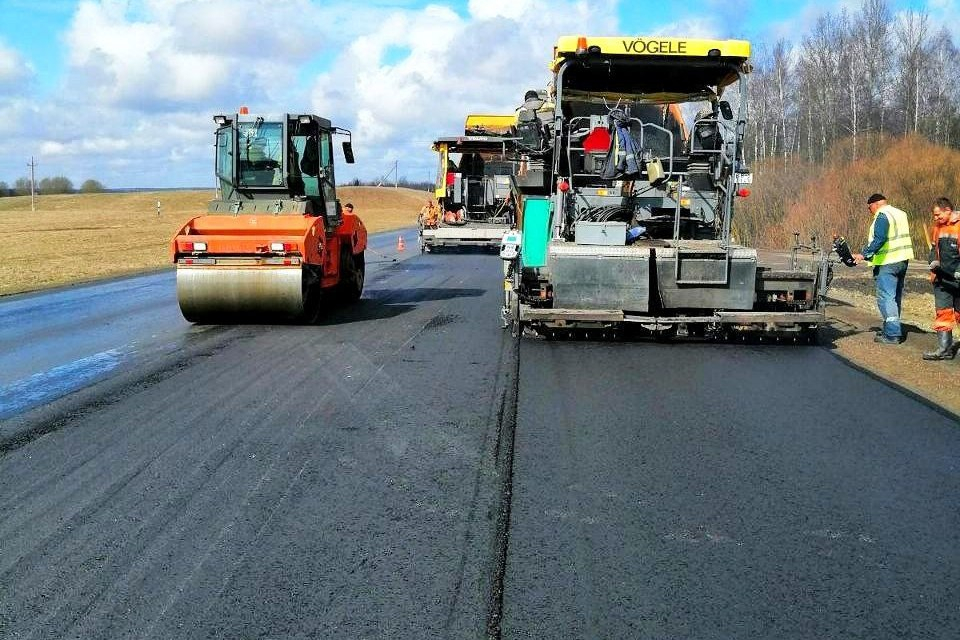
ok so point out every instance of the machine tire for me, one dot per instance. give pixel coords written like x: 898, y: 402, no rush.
x: 352, y: 274
x: 312, y: 304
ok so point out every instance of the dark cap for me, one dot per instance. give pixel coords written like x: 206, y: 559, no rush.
x: 877, y: 197
x: 349, y: 205
x: 531, y: 95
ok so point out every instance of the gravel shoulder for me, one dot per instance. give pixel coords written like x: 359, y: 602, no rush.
x: 854, y: 318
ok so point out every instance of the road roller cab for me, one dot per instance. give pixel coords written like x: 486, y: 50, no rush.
x: 275, y: 242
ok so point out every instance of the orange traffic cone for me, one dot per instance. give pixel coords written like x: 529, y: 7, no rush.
x: 401, y: 245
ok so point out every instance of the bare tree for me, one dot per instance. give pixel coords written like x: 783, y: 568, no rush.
x: 912, y: 56
x: 781, y: 72
x: 852, y: 75
x: 872, y: 30
x: 941, y: 92
x: 821, y: 64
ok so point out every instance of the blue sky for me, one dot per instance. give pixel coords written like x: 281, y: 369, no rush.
x: 123, y: 90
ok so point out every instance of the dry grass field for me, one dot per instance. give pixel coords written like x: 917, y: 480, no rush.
x: 81, y: 237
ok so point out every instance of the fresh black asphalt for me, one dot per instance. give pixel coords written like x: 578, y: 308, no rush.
x: 727, y: 491
x: 406, y: 469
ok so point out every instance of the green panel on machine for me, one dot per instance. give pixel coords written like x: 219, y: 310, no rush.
x: 536, y: 231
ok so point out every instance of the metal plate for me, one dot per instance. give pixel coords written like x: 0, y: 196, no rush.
x: 598, y: 280
x: 601, y: 233
x: 226, y: 294
x: 738, y: 293
x: 467, y: 232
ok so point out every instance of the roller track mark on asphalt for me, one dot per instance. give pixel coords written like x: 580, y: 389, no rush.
x: 63, y: 411
x: 499, y: 407
x: 504, y: 458
x: 239, y: 559
x: 222, y: 535
x: 80, y: 519
x: 427, y: 325
x: 379, y: 488
x: 159, y: 522
x: 342, y: 392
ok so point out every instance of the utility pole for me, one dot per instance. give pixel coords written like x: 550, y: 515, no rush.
x: 396, y: 177
x: 33, y: 191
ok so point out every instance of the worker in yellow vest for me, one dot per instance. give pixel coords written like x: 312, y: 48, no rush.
x: 889, y: 250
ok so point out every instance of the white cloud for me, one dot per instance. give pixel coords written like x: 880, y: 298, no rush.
x: 143, y: 78
x: 455, y: 65
x: 150, y: 54
x: 15, y: 118
x: 14, y: 68
x: 487, y: 9
x: 945, y: 13
x: 690, y: 27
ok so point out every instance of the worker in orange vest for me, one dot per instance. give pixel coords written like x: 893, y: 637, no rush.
x: 430, y: 215
x: 945, y: 274
x: 453, y: 217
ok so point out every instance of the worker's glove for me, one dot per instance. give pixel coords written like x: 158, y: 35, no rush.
x: 934, y: 265
x: 956, y: 275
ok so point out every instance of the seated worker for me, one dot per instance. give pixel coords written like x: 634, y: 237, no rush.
x: 530, y: 126
x: 429, y: 215
x: 471, y: 164
x: 453, y: 217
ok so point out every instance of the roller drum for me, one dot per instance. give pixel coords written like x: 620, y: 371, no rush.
x: 228, y: 294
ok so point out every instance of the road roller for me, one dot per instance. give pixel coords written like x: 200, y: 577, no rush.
x: 275, y: 245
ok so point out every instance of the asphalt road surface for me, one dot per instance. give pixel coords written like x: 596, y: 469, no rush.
x: 405, y: 469
x: 55, y: 343
x: 727, y: 491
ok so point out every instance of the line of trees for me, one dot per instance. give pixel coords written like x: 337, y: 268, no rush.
x: 49, y: 186
x: 402, y: 182
x: 855, y: 74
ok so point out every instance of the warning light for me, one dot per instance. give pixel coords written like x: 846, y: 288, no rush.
x: 581, y: 45
x: 564, y: 186
x: 244, y: 111
x: 743, y: 193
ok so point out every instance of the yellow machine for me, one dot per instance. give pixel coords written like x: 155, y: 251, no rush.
x: 473, y: 187
x: 644, y: 163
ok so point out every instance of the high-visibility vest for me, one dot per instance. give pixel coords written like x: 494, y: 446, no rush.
x: 899, y: 246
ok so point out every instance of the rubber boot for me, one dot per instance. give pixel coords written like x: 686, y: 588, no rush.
x: 944, y: 347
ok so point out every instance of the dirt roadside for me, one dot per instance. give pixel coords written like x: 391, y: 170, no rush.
x: 854, y: 318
